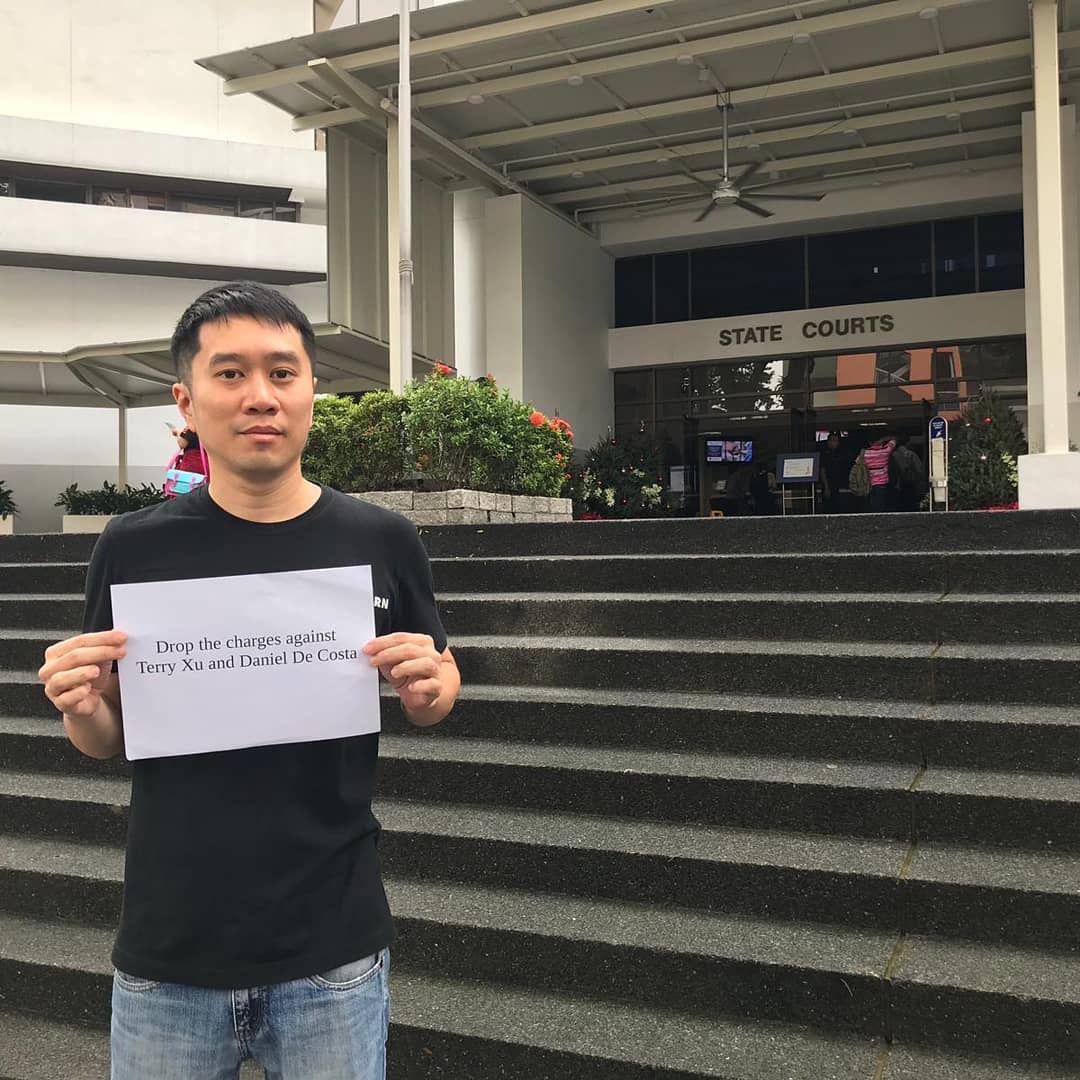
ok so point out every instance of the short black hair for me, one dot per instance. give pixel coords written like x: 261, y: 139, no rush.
x: 237, y: 299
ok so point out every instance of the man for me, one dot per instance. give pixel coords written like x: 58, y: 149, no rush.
x: 910, y: 476
x: 835, y: 469
x: 254, y: 922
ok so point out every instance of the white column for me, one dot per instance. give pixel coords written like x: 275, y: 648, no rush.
x: 393, y: 272
x: 470, y: 303
x: 1050, y: 479
x: 122, y: 447
x: 405, y: 260
x: 1070, y: 180
x: 1051, y: 249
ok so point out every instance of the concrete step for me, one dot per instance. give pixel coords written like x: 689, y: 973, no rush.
x: 40, y: 744
x: 24, y: 650
x: 872, y: 617
x: 46, y: 548
x: 1028, y: 673
x: 1028, y: 738
x: 878, y: 617
x: 61, y: 577
x: 1019, y: 896
x: 1028, y: 810
x: 40, y: 1048
x: 84, y: 808
x: 1035, y: 531
x: 965, y: 995
x: 1031, y: 737
x: 1044, y: 572
x: 1043, y: 675
x: 37, y: 610
x: 471, y: 1037
x: 849, y: 798
x: 446, y: 1027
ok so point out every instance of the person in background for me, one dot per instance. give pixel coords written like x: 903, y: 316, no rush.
x: 910, y: 476
x: 191, y: 458
x: 835, y: 469
x: 877, y: 457
x: 762, y: 489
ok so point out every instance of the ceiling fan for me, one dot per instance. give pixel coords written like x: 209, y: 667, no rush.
x: 734, y: 191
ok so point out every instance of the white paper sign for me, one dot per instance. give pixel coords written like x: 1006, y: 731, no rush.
x: 256, y: 660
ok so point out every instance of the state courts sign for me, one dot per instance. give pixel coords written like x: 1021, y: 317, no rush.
x: 863, y: 327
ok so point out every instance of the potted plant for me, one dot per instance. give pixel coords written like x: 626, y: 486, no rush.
x: 90, y: 511
x: 8, y: 510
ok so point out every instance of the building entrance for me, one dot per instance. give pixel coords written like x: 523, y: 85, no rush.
x: 726, y: 423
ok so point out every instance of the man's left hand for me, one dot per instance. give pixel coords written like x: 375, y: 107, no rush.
x: 412, y: 666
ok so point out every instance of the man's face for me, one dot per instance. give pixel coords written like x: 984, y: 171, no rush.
x: 251, y: 396
x: 834, y: 442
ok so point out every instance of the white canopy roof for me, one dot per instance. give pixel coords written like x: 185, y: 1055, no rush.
x: 136, y: 373
x: 606, y: 109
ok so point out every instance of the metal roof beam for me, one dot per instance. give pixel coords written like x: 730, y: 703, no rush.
x: 868, y: 153
x: 899, y: 69
x: 838, y: 182
x: 778, y: 135
x: 367, y: 103
x: 457, y: 39
x: 865, y: 15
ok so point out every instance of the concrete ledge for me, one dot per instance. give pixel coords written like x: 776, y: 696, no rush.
x: 1049, y: 481
x: 463, y: 506
x: 85, y: 523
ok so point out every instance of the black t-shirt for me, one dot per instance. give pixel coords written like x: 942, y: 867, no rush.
x: 257, y: 866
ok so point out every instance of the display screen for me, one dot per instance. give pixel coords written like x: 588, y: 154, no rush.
x: 729, y: 450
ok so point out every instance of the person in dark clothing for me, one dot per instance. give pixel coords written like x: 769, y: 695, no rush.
x: 910, y: 476
x: 835, y: 469
x: 254, y: 923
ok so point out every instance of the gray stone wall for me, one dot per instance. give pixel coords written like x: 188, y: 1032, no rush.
x: 465, y: 507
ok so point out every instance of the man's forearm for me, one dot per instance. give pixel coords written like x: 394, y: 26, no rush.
x: 98, y: 736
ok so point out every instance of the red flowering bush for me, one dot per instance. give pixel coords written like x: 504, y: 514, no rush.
x: 447, y: 431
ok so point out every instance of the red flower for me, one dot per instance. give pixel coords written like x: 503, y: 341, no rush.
x: 537, y: 419
x: 442, y: 369
x: 559, y: 458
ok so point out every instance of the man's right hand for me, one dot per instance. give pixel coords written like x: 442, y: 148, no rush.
x: 78, y: 671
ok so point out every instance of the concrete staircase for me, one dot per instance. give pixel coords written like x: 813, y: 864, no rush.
x: 748, y: 799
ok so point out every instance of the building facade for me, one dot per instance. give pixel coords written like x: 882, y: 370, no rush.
x: 127, y: 187
x: 748, y: 222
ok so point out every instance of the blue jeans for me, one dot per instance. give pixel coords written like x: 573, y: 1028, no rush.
x: 326, y: 1027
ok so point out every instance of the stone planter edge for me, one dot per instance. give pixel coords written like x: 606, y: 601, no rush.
x: 85, y: 523
x: 464, y: 506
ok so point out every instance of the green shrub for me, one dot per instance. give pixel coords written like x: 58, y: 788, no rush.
x: 621, y: 479
x: 7, y: 502
x: 443, y: 432
x: 466, y: 434
x: 983, y: 448
x: 109, y: 499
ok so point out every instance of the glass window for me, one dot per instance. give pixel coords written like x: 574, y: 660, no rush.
x: 198, y: 204
x: 1001, y: 252
x: 633, y: 291
x: 954, y: 248
x: 633, y: 387
x: 50, y: 190
x: 1003, y: 359
x: 747, y: 279
x: 673, y: 382
x: 671, y: 277
x: 870, y: 265
x: 744, y: 386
